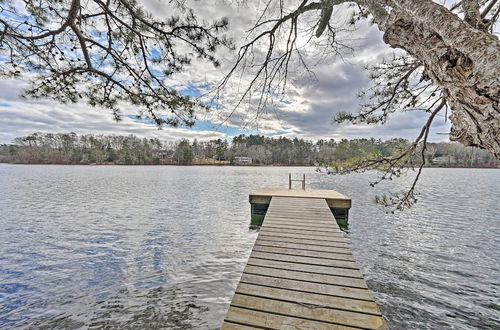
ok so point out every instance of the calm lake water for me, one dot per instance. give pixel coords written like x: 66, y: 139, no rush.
x: 163, y: 247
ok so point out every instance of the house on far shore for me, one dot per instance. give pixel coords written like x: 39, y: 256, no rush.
x: 242, y: 160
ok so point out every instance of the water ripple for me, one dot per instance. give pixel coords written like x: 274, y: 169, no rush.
x: 164, y: 247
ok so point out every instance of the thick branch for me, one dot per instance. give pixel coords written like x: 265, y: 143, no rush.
x: 72, y: 14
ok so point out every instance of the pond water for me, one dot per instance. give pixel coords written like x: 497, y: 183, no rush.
x: 163, y: 247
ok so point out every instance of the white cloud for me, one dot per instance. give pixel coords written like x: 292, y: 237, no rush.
x: 23, y: 118
x: 307, y: 111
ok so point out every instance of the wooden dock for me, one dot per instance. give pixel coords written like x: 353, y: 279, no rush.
x: 301, y: 274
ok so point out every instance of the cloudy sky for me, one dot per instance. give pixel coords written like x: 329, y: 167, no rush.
x: 306, y: 111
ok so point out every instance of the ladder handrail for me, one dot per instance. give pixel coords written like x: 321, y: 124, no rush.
x: 296, y: 180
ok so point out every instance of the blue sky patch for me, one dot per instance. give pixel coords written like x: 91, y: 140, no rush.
x: 191, y: 91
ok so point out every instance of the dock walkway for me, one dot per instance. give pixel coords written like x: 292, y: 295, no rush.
x: 301, y: 274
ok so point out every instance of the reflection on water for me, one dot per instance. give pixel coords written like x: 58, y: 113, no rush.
x: 163, y: 247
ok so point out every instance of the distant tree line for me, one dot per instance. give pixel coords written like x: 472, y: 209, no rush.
x: 47, y: 148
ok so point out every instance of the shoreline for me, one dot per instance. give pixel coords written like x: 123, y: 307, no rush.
x: 221, y: 165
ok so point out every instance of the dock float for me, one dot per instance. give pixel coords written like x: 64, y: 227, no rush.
x: 301, y: 274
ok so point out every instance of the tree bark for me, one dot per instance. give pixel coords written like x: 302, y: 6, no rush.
x: 461, y: 59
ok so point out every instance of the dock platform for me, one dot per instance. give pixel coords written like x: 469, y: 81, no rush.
x: 301, y: 274
x: 338, y: 203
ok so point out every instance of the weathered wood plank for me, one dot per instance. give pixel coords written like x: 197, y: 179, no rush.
x: 274, y: 321
x: 298, y: 285
x: 302, y: 241
x: 314, y: 269
x: 331, y: 227
x: 304, y: 260
x: 227, y: 325
x: 302, y: 221
x: 319, y: 313
x: 307, y: 205
x: 302, y: 217
x: 304, y: 253
x: 329, y: 238
x: 283, y: 238
x: 306, y: 277
x: 308, y: 201
x: 303, y: 228
x: 296, y: 208
x: 298, y: 202
x: 324, y: 215
x: 301, y: 232
x: 313, y: 225
x: 343, y: 249
x: 264, y: 231
x: 295, y: 296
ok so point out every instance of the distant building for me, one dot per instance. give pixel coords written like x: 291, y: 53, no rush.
x: 242, y: 160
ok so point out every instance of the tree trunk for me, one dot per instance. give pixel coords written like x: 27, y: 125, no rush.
x: 463, y: 60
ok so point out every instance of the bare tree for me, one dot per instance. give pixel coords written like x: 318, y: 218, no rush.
x: 106, y: 52
x: 448, y: 58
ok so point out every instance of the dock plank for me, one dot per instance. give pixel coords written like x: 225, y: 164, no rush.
x: 324, y: 215
x: 312, y: 312
x: 310, y: 225
x: 304, y: 260
x: 297, y: 218
x: 280, y: 233
x: 325, y: 301
x: 303, y: 222
x: 330, y: 279
x: 297, y: 285
x: 235, y: 326
x: 311, y: 247
x: 269, y: 237
x: 313, y: 269
x: 302, y: 230
x: 302, y: 274
x: 263, y: 320
x: 301, y: 252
